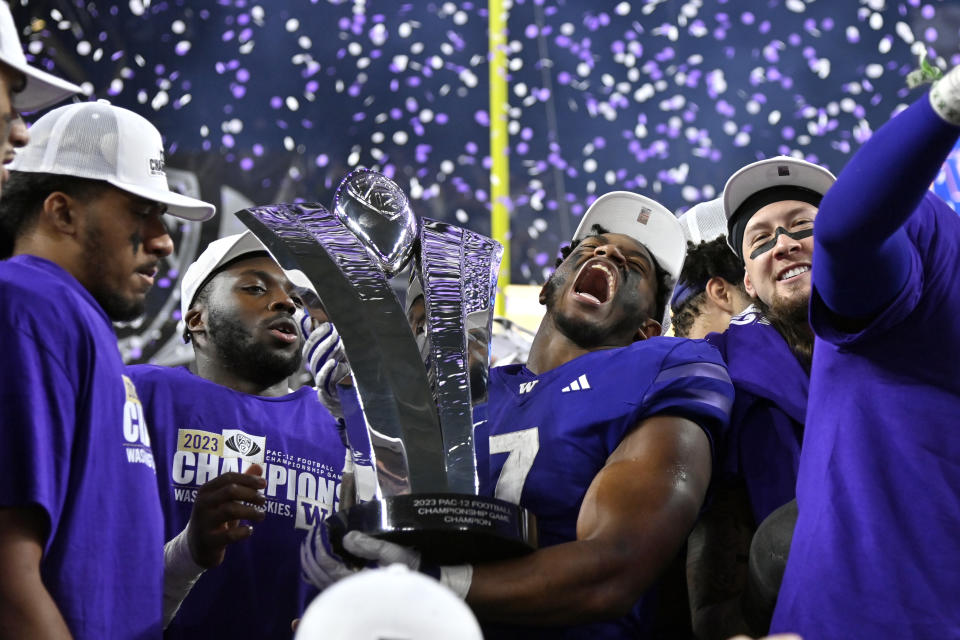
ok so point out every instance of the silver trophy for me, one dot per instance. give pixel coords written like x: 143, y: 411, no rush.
x: 415, y: 416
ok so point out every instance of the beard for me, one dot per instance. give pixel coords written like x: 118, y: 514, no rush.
x: 248, y: 358
x: 790, y: 318
x: 117, y: 307
x: 591, y: 335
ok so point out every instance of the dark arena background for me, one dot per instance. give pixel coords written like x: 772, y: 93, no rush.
x: 277, y: 100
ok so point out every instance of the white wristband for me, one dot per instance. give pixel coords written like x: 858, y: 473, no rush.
x: 180, y: 573
x: 945, y: 96
x: 457, y: 578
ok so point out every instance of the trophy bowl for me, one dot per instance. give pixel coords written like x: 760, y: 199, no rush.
x: 412, y: 416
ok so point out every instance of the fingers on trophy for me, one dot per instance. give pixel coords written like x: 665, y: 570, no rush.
x: 412, y: 410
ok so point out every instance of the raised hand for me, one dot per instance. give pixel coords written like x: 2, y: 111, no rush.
x: 323, y: 356
x: 221, y: 513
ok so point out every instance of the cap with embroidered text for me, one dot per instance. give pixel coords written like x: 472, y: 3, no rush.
x: 99, y: 141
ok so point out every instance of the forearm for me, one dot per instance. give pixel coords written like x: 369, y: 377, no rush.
x: 616, y: 559
x: 575, y: 582
x: 887, y: 177
x: 27, y: 610
x: 31, y: 613
x: 180, y: 573
x: 860, y: 218
x: 633, y: 520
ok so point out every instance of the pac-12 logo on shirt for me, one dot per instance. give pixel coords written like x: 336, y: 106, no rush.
x: 237, y: 444
x: 136, y: 438
x: 229, y: 443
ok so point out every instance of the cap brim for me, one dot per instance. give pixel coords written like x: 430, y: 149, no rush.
x: 41, y: 90
x: 773, y: 172
x: 214, y: 256
x: 645, y: 220
x: 298, y: 278
x: 178, y: 205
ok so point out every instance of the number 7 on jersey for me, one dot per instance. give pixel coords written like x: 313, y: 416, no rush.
x: 521, y: 448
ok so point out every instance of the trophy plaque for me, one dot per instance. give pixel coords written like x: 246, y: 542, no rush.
x: 416, y: 420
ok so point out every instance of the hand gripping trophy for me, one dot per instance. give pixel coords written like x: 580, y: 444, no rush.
x: 417, y: 417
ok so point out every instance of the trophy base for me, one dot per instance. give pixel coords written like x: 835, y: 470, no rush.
x: 446, y: 528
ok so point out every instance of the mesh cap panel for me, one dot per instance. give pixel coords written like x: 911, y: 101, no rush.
x: 704, y: 221
x: 90, y: 150
x: 99, y: 141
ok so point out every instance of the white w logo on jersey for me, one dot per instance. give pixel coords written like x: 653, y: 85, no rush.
x: 527, y: 387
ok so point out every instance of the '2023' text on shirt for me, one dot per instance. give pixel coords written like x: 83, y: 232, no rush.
x: 202, y: 430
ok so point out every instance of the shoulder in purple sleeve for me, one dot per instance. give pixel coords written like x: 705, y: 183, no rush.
x: 877, y: 490
x: 567, y: 422
x: 761, y: 447
x: 73, y: 440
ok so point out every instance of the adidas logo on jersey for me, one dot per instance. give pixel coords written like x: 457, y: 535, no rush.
x: 527, y: 387
x: 580, y: 384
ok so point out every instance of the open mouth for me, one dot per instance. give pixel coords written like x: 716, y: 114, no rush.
x: 148, y: 274
x: 793, y: 272
x: 596, y: 281
x: 284, y: 330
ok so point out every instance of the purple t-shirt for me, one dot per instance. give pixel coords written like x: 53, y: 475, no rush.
x: 73, y: 441
x: 202, y: 429
x: 565, y: 423
x: 874, y: 553
x: 762, y: 446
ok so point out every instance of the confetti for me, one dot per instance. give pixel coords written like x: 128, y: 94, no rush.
x: 279, y: 100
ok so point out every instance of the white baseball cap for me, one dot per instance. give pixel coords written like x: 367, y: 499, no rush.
x: 393, y: 603
x: 42, y: 89
x: 99, y: 141
x: 704, y: 221
x: 779, y: 171
x: 646, y: 221
x: 220, y: 252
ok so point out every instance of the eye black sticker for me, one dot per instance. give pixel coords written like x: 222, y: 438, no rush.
x: 769, y: 244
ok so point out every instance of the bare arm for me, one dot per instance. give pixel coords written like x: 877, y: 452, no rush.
x: 634, y: 518
x: 26, y: 608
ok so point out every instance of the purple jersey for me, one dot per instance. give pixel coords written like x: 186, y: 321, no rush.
x: 200, y: 430
x: 762, y: 446
x: 874, y: 552
x: 73, y: 441
x: 560, y: 427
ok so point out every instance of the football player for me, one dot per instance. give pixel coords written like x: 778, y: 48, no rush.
x: 605, y: 434
x: 875, y: 547
x: 770, y: 206
x: 218, y: 427
x: 81, y: 546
